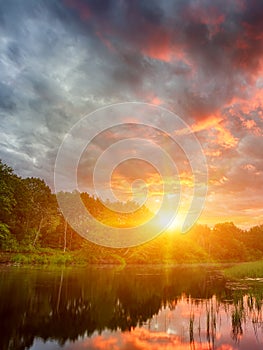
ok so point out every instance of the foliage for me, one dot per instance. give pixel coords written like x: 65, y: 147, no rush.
x: 7, y: 241
x: 30, y: 221
x: 42, y: 257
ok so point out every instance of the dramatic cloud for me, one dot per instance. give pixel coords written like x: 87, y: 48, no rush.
x: 201, y: 59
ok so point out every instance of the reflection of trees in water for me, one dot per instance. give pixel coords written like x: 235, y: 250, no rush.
x: 71, y: 303
x: 237, y: 317
x: 242, y: 308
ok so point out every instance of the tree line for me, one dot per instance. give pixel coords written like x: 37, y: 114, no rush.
x: 30, y: 219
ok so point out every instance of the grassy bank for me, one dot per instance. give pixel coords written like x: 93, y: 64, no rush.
x: 252, y: 269
x: 47, y: 256
x: 36, y: 258
x: 44, y: 256
x: 81, y: 259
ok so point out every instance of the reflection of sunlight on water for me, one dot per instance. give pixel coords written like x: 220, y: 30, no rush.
x: 186, y: 324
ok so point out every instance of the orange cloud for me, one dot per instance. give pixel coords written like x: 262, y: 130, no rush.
x: 224, y: 137
x: 208, y: 15
x: 254, y: 102
x: 159, y: 47
x: 141, y: 339
x: 249, y: 167
x: 213, y: 153
x: 241, y: 44
x: 208, y: 123
x: 249, y: 124
x: 252, y: 32
x: 157, y: 101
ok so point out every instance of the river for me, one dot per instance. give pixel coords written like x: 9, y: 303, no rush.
x: 181, y: 307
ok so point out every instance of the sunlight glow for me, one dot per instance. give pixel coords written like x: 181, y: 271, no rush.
x: 172, y: 225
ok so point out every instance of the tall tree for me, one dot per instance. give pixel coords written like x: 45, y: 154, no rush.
x: 42, y: 206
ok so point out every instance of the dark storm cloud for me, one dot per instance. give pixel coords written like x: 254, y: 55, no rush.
x: 47, y: 68
x: 219, y: 41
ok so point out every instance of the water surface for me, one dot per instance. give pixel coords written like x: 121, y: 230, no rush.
x: 131, y: 308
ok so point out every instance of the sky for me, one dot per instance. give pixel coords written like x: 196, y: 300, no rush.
x: 199, y: 59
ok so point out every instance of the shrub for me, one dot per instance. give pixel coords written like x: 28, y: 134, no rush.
x: 7, y: 241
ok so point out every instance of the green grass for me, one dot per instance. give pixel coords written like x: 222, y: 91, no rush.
x: 42, y: 258
x: 243, y: 270
x: 47, y: 256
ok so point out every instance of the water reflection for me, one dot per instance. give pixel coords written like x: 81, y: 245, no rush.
x: 136, y: 308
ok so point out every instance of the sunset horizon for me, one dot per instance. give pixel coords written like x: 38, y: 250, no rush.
x: 196, y: 60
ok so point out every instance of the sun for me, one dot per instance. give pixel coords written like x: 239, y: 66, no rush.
x: 171, y: 222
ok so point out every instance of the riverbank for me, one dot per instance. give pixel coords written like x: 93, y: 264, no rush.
x: 252, y: 269
x: 43, y: 256
x: 49, y: 257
